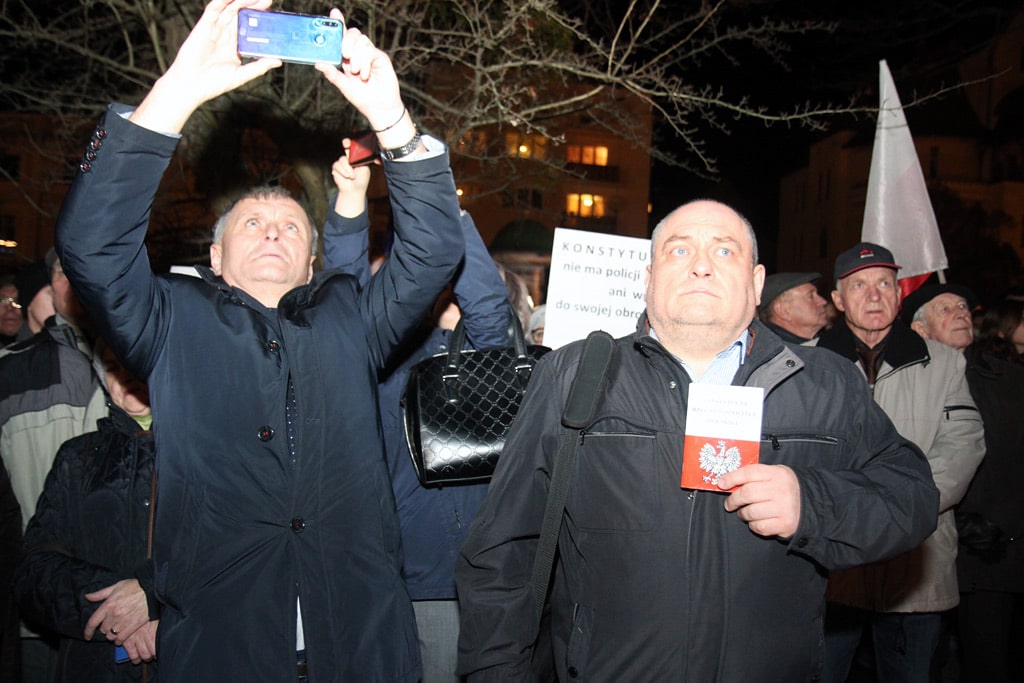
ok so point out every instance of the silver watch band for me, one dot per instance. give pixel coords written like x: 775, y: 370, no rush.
x: 403, y: 151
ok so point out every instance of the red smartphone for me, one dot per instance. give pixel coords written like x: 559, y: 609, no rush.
x: 363, y: 149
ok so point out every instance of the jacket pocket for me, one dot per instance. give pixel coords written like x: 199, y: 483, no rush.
x: 577, y: 651
x: 799, y: 450
x: 615, y: 485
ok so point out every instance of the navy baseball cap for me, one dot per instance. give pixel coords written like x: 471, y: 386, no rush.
x: 861, y: 256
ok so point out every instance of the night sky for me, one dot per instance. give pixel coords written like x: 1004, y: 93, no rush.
x: 921, y: 40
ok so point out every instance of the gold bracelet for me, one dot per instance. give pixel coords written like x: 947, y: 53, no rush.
x: 382, y: 130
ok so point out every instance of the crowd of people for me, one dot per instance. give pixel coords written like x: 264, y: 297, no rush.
x: 207, y: 478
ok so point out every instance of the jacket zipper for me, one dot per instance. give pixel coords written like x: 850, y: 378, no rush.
x: 802, y: 438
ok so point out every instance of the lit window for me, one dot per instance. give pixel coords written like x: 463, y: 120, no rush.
x: 585, y: 205
x: 588, y: 155
x: 525, y: 146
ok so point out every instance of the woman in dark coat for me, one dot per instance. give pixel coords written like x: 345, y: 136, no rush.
x: 990, y: 518
x: 85, y: 570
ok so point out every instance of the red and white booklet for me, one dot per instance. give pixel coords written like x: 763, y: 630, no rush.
x: 723, y: 433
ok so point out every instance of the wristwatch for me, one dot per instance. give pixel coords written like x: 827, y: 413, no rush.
x: 403, y: 151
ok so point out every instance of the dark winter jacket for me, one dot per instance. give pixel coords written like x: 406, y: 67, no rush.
x: 242, y: 528
x: 90, y: 531
x: 10, y: 549
x: 988, y: 559
x: 659, y: 583
x: 434, y: 520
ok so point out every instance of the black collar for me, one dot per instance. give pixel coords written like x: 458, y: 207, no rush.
x: 903, y: 345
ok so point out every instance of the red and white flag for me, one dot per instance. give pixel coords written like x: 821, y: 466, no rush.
x: 898, y: 213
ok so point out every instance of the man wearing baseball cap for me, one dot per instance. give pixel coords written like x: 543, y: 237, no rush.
x: 791, y: 306
x: 921, y: 385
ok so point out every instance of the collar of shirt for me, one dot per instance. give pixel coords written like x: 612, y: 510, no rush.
x: 723, y: 368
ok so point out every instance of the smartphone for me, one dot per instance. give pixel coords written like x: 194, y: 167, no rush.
x: 363, y: 149
x: 298, y: 38
x: 120, y: 655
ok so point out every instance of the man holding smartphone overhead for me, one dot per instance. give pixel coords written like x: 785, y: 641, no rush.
x: 276, y: 544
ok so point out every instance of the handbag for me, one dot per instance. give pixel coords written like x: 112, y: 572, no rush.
x: 459, y: 405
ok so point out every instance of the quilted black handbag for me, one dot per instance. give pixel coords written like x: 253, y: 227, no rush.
x: 459, y: 406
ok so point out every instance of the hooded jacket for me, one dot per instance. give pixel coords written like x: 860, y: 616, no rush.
x: 272, y: 481
x: 922, y: 387
x: 657, y: 583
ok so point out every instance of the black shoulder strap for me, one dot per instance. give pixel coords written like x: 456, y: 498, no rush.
x: 584, y: 394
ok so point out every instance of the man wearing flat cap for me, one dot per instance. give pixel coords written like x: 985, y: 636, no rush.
x: 990, y: 567
x: 920, y: 384
x: 791, y: 306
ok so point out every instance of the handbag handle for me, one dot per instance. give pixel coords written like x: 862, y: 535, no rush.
x: 517, y: 341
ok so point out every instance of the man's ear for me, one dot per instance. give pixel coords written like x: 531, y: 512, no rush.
x: 309, y: 275
x: 758, y: 283
x: 921, y: 328
x: 837, y: 299
x: 215, y: 258
x: 779, y: 308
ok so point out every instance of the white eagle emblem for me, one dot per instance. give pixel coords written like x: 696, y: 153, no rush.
x: 717, y: 463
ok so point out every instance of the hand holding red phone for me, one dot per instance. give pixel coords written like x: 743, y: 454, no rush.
x: 352, y: 181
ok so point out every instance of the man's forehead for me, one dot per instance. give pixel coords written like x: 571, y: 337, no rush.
x: 948, y: 299
x: 271, y: 204
x: 702, y: 219
x: 872, y: 274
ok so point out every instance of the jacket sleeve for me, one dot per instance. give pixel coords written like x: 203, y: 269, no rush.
x: 101, y: 232
x: 480, y: 292
x: 878, y: 500
x: 51, y: 581
x: 347, y: 244
x: 427, y: 249
x: 497, y: 625
x: 959, y: 444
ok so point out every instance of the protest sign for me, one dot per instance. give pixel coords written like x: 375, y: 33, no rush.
x: 597, y: 282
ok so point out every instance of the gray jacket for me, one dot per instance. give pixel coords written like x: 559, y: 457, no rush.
x: 922, y: 387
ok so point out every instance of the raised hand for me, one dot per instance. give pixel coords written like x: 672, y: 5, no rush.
x: 207, y: 65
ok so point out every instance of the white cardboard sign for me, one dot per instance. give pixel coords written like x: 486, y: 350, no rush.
x: 596, y: 282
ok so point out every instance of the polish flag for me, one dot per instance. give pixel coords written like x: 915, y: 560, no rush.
x: 898, y: 213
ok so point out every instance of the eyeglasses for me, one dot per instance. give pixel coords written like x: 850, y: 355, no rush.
x: 9, y: 301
